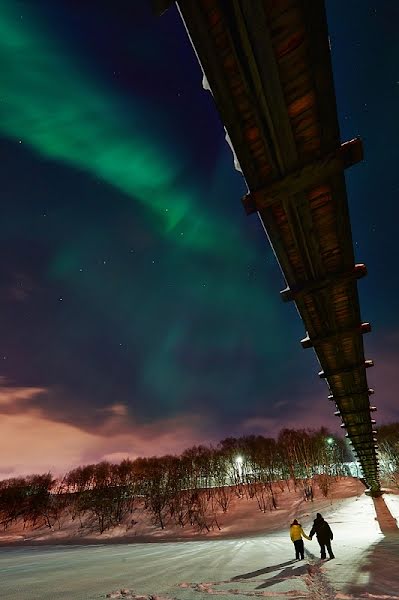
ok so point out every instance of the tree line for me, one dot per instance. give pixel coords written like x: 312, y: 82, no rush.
x: 191, y: 489
x: 388, y: 450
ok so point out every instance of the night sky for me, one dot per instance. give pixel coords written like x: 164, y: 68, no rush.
x: 140, y: 308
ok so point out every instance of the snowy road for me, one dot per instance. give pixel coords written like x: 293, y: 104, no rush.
x: 365, y: 567
x: 89, y: 572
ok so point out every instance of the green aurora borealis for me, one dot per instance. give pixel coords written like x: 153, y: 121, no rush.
x: 57, y: 107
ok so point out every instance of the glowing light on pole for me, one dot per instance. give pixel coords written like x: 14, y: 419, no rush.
x: 238, y: 462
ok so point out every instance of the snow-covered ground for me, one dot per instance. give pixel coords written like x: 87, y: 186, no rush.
x: 258, y: 564
x: 392, y: 502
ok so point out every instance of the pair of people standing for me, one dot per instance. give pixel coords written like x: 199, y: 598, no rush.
x: 320, y: 528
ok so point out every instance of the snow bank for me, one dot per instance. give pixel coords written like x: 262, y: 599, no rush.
x: 392, y: 502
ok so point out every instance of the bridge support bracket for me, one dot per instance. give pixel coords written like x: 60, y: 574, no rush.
x: 308, y: 176
x: 367, y: 364
x: 358, y: 271
x: 308, y: 342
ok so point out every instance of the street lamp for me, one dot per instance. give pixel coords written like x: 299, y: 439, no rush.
x: 238, y: 463
x: 330, y: 443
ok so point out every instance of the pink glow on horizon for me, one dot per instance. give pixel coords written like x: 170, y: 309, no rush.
x: 32, y: 442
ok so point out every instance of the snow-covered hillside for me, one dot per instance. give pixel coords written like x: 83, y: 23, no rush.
x: 256, y: 559
x: 243, y: 517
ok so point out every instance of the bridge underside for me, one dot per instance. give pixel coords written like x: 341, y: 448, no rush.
x: 268, y: 66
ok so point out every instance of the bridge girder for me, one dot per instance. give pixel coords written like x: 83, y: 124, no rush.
x: 268, y: 67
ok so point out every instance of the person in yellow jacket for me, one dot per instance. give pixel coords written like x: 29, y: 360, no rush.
x: 296, y: 533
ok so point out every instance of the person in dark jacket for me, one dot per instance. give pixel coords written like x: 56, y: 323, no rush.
x: 324, y: 535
